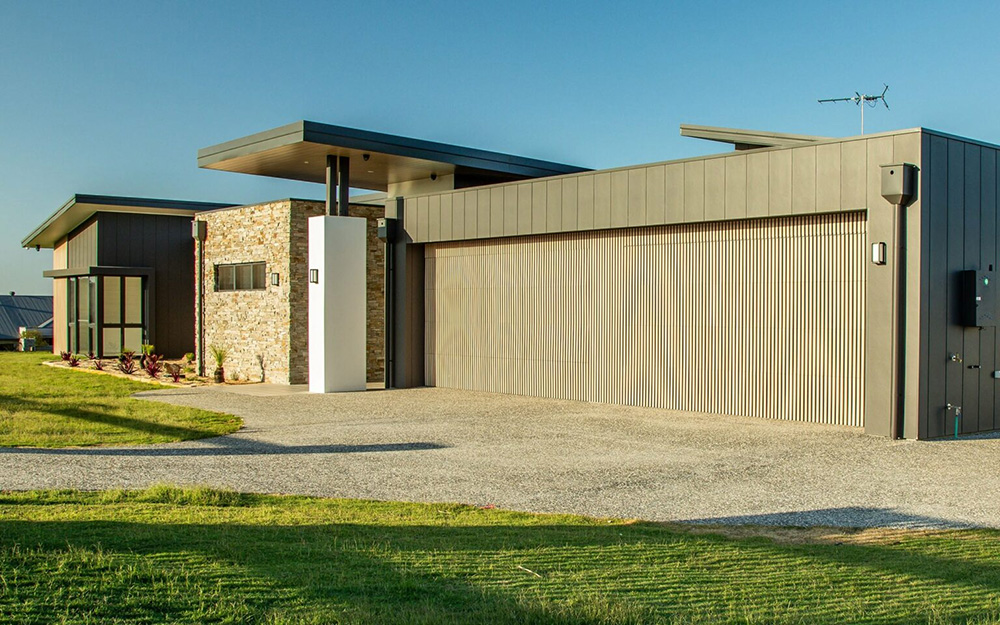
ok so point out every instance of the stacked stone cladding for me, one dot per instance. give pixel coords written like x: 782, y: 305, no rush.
x: 272, y: 325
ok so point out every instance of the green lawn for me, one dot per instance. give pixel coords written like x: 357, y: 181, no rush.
x: 192, y: 556
x: 44, y: 406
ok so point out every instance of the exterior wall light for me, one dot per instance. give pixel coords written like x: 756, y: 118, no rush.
x: 275, y: 279
x: 314, y: 276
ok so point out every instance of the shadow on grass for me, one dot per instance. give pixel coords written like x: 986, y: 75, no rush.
x: 105, y: 417
x: 502, y: 574
x: 212, y: 443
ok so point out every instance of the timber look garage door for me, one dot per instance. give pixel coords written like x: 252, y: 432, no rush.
x: 761, y: 317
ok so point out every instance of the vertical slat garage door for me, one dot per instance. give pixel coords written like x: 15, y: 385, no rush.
x: 753, y: 317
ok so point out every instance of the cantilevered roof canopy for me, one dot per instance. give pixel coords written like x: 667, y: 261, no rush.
x: 747, y: 139
x: 80, y: 207
x: 298, y: 152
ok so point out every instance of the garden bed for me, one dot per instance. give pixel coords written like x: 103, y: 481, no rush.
x: 111, y: 367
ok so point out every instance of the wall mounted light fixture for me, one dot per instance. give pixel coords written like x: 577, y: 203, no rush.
x: 314, y: 276
x: 878, y: 253
x: 275, y: 279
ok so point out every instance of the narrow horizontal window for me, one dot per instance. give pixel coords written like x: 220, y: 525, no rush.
x: 240, y: 277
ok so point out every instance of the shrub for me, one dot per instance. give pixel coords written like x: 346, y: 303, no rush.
x: 65, y: 355
x: 219, y: 355
x: 153, y: 365
x: 91, y: 356
x: 74, y: 360
x: 30, y: 333
x: 146, y: 349
x: 126, y: 363
x: 99, y: 365
x: 189, y: 357
x: 174, y: 371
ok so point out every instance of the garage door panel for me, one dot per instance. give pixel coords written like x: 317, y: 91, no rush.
x: 753, y: 317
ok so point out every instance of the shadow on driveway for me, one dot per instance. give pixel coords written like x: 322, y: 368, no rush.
x: 226, y: 446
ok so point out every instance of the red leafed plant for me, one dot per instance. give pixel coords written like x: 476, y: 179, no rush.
x: 65, y: 355
x: 99, y: 365
x: 74, y: 360
x: 153, y: 365
x: 126, y: 363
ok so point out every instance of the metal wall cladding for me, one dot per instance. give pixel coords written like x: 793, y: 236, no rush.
x: 759, y: 317
x: 82, y: 246
x: 960, y: 187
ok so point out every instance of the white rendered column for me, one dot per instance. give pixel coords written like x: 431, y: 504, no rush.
x: 337, y: 304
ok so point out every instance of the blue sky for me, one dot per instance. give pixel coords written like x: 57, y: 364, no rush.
x: 116, y: 97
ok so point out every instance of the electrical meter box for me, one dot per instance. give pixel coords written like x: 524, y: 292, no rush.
x: 387, y: 229
x: 978, y: 308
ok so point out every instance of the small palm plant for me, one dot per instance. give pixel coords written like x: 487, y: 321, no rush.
x: 219, y: 355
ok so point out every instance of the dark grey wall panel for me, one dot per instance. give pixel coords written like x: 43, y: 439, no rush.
x: 164, y: 243
x: 988, y: 251
x: 936, y: 169
x: 962, y: 230
x: 955, y: 334
x: 917, y: 321
x: 971, y: 249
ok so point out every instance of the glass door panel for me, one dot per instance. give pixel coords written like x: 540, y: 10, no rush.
x: 83, y: 315
x: 112, y: 300
x: 133, y: 300
x: 112, y: 345
x: 133, y: 339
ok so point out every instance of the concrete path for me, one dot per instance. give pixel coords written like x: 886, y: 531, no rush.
x: 547, y: 456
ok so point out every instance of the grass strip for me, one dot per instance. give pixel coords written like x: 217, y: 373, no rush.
x: 51, y: 407
x: 206, y: 556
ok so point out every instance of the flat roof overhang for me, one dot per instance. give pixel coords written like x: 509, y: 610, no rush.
x: 748, y: 139
x: 98, y: 270
x: 298, y: 152
x: 80, y: 207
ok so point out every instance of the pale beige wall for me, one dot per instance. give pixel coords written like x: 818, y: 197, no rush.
x: 830, y: 176
x: 755, y: 317
x: 60, y: 341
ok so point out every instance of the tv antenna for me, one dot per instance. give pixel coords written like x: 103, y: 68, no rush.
x: 862, y: 101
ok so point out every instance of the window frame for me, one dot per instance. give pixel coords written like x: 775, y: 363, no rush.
x: 232, y: 267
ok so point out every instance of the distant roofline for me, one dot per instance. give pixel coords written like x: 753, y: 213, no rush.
x: 81, y: 206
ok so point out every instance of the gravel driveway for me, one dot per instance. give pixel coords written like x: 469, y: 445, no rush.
x: 540, y: 455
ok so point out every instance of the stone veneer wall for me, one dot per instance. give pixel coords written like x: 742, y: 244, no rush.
x: 273, y: 322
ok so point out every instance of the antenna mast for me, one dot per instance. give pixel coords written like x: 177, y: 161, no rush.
x: 861, y: 100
